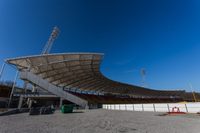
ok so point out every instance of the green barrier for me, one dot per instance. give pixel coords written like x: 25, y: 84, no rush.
x: 67, y: 108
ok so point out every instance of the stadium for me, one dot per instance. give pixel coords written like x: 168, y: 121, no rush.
x: 76, y: 77
x: 54, y: 79
x: 73, y: 82
x: 99, y: 66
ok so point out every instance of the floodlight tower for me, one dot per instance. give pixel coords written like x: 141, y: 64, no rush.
x: 52, y: 37
x: 143, y: 75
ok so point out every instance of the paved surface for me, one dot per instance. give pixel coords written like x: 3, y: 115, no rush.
x: 100, y: 121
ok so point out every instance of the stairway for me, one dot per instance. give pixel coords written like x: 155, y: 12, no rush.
x: 35, y: 79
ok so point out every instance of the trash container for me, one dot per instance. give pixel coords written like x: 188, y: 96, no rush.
x: 67, y: 108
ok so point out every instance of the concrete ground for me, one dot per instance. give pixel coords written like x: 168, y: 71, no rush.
x: 100, y: 121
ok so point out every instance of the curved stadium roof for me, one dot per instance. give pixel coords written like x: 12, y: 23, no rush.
x: 77, y: 72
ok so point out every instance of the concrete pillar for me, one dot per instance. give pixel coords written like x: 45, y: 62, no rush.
x: 21, y: 97
x: 61, y: 102
x: 30, y: 101
x: 20, y: 102
x: 25, y: 86
x: 13, y: 87
x: 87, y: 107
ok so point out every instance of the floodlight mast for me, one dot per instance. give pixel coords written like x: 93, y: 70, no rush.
x: 52, y: 37
x: 143, y: 74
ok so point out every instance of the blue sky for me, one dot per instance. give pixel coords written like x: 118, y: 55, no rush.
x: 161, y: 36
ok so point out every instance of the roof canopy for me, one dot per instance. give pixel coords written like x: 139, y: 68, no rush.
x: 76, y: 72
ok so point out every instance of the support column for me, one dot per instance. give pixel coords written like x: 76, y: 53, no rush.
x: 87, y: 107
x: 13, y: 87
x: 25, y: 86
x: 30, y: 100
x: 25, y: 90
x: 61, y: 102
x: 20, y: 102
x: 21, y: 97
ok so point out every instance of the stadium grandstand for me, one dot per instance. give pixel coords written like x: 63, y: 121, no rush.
x: 76, y: 78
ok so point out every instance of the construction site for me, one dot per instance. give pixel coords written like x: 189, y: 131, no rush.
x: 58, y: 80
